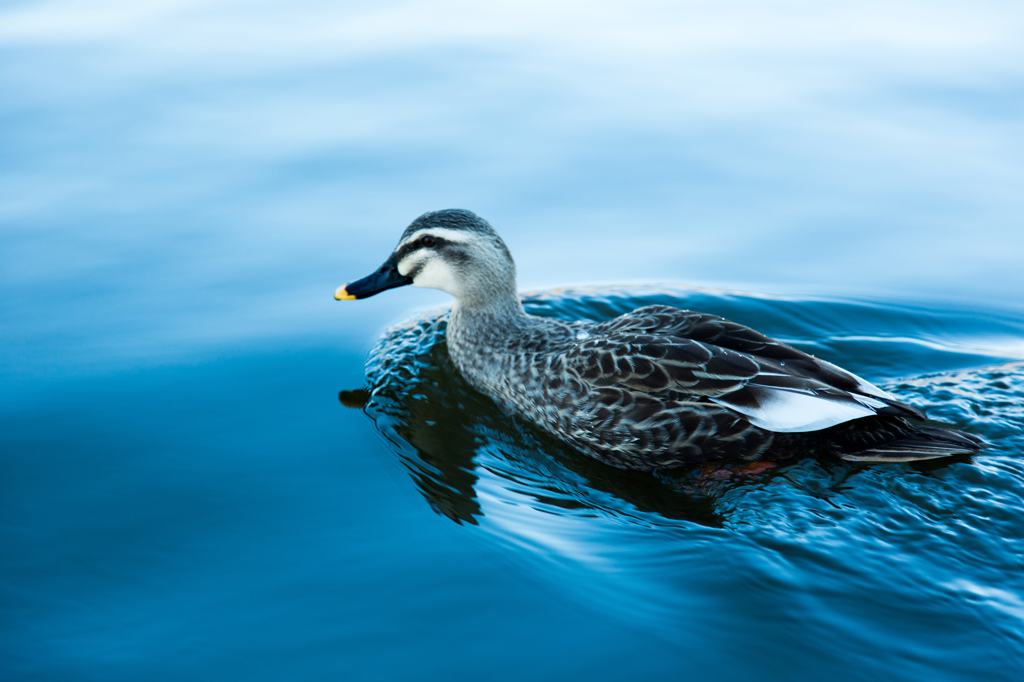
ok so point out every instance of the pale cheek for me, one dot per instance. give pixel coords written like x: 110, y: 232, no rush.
x: 405, y: 267
x: 435, y: 276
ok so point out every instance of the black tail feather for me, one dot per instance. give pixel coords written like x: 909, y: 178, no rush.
x: 926, y: 442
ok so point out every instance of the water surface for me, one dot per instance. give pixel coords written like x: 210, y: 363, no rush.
x: 183, y: 184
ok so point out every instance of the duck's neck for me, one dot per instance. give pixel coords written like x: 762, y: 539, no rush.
x: 496, y: 318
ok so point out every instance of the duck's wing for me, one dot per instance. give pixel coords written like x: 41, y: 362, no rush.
x: 662, y: 320
x: 673, y: 353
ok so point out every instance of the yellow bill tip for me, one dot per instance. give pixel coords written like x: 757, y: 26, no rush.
x: 341, y: 295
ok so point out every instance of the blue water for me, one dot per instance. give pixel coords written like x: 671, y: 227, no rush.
x: 183, y: 185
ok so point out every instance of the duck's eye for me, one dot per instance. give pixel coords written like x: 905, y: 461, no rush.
x: 427, y: 240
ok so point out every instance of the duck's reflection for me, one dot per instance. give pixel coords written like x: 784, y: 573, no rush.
x: 432, y: 442
x: 447, y: 436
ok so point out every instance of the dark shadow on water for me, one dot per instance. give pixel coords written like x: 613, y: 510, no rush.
x: 439, y: 425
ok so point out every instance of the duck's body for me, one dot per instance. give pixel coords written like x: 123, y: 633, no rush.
x: 656, y: 387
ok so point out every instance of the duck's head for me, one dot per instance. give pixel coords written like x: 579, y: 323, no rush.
x: 452, y: 250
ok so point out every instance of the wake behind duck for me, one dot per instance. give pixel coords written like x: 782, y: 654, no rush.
x: 655, y: 388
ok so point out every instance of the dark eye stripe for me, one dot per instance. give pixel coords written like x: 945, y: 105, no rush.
x: 422, y: 242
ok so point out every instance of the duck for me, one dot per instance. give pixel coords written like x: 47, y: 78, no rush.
x: 656, y: 388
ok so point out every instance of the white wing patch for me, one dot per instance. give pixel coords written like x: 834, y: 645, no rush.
x: 785, y: 410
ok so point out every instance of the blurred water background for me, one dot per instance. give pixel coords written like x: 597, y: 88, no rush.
x: 183, y: 185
